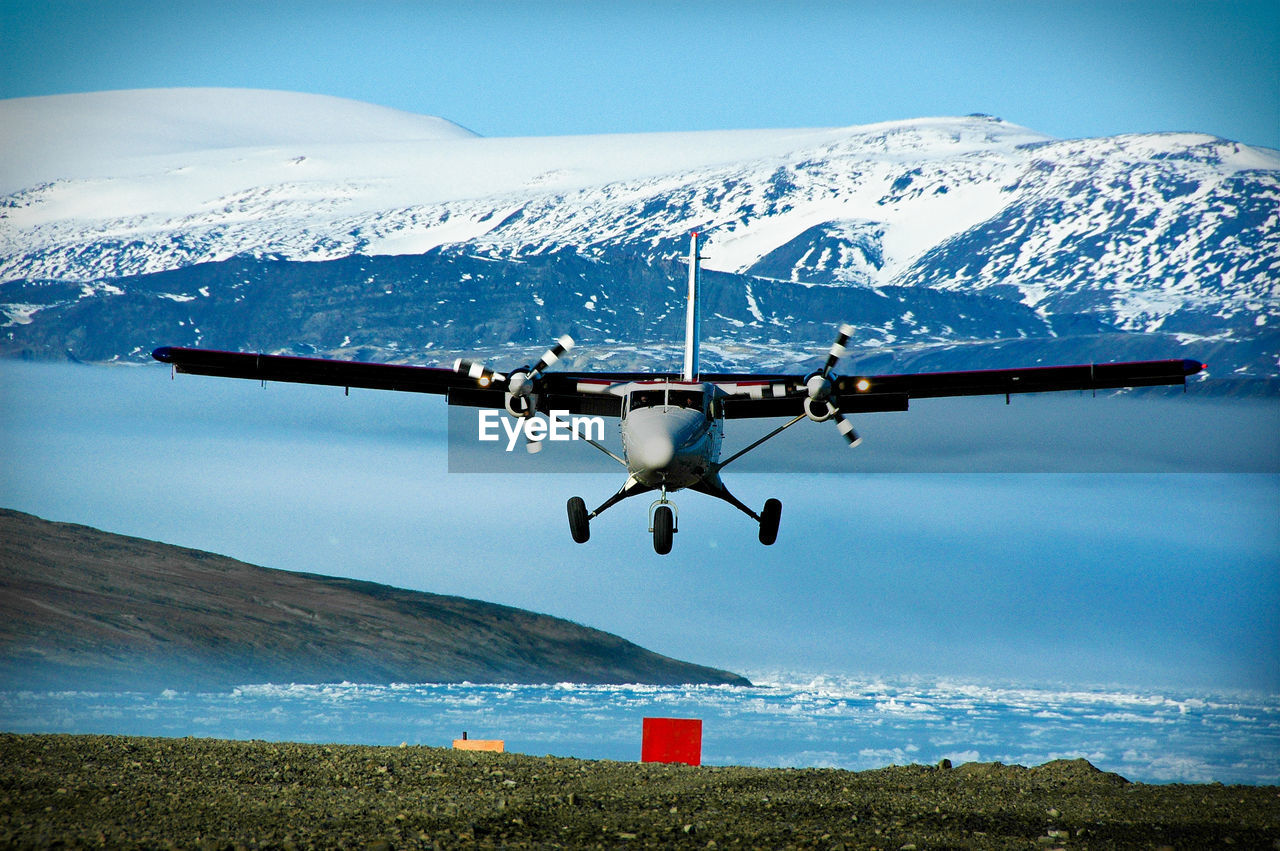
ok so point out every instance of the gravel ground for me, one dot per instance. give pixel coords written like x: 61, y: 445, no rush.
x: 122, y: 792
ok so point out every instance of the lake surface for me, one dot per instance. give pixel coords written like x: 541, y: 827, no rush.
x: 786, y: 720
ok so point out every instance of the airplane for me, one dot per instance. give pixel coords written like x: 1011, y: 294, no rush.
x: 672, y: 426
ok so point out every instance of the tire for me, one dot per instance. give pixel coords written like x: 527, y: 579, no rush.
x: 769, y: 519
x: 579, y: 524
x: 663, y: 528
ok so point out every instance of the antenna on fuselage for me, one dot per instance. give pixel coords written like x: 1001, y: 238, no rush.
x: 691, y: 318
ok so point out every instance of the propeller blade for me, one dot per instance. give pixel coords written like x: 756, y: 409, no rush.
x: 478, y: 371
x: 838, y: 349
x: 521, y: 386
x: 553, y: 354
x: 846, y: 429
x: 818, y: 385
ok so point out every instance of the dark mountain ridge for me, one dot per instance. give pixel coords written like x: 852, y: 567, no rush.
x: 86, y: 609
x: 407, y: 309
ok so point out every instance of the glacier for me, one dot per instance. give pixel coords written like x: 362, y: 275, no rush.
x: 1165, y: 233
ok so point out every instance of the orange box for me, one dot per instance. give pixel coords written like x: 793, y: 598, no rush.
x: 672, y: 740
x: 495, y: 745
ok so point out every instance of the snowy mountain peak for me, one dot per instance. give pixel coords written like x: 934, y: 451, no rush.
x: 60, y: 136
x: 943, y: 136
x: 1171, y: 232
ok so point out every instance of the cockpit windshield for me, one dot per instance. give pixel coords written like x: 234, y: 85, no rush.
x: 669, y: 397
x: 691, y: 399
x: 648, y: 398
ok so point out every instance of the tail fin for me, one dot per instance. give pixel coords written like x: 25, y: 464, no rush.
x: 691, y: 319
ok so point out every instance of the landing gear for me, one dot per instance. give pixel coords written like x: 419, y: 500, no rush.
x: 769, y: 519
x: 579, y: 523
x: 662, y: 523
x: 663, y: 528
x: 664, y: 516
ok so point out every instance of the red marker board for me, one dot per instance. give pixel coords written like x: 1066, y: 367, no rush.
x: 672, y: 740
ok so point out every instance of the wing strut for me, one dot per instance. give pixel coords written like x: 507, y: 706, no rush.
x: 777, y: 431
x: 604, y: 450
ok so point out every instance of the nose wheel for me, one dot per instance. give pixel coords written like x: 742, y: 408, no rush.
x: 662, y: 523
x: 664, y: 527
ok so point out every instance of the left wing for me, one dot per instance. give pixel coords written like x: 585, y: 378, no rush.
x: 575, y: 393
x: 336, y: 373
x: 785, y: 395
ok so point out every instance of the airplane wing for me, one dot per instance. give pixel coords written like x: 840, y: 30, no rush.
x: 335, y: 373
x: 749, y: 395
x: 784, y: 395
x: 574, y: 393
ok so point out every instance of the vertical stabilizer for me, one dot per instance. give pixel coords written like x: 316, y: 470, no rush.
x: 691, y: 319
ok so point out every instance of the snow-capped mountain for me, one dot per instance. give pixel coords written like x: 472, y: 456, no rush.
x: 938, y: 233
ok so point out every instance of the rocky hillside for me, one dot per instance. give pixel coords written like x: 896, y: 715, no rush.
x: 81, y: 608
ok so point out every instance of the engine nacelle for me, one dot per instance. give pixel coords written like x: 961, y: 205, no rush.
x: 518, y: 382
x: 520, y: 399
x: 816, y: 407
x: 818, y: 385
x: 818, y: 410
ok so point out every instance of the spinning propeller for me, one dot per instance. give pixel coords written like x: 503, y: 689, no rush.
x: 521, y: 385
x: 820, y: 406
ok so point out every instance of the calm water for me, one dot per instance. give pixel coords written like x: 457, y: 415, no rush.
x: 795, y: 721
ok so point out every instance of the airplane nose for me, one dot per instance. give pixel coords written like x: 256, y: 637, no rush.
x: 654, y: 450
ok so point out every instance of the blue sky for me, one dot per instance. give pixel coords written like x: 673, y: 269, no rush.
x: 548, y: 68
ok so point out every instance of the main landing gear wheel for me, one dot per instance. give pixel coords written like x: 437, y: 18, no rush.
x: 769, y: 519
x: 663, y: 527
x: 579, y: 523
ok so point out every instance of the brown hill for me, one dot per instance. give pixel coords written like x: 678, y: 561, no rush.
x: 81, y: 608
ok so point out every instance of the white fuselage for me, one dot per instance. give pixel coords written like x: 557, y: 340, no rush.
x: 670, y: 432
x: 669, y: 437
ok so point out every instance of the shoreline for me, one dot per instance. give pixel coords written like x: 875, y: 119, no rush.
x: 125, y: 791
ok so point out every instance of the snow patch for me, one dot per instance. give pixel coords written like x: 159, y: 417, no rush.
x: 20, y: 314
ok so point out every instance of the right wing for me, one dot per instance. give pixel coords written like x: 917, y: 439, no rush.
x: 785, y: 395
